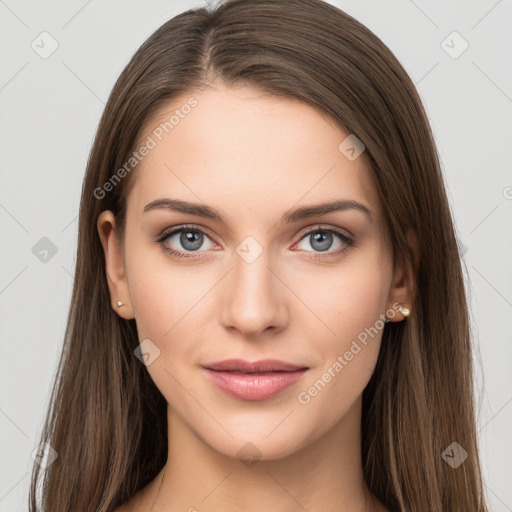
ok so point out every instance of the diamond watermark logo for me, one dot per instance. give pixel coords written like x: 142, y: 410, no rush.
x: 454, y: 45
x: 351, y: 147
x: 249, y: 454
x: 44, y: 45
x: 44, y: 250
x: 44, y: 455
x: 454, y: 455
x: 249, y: 249
x: 147, y: 352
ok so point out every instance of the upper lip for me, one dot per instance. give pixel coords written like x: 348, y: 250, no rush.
x: 264, y: 365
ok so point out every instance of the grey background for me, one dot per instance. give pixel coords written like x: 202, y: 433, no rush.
x: 49, y: 110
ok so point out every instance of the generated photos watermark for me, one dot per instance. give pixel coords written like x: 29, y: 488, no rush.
x: 151, y: 142
x: 342, y: 360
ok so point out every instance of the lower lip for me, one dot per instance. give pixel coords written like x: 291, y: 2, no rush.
x: 254, y: 386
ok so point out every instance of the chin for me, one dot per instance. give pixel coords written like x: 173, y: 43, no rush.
x: 250, y: 445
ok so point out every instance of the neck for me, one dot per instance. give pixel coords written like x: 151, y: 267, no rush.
x: 325, y: 475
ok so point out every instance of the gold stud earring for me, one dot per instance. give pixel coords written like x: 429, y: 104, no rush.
x: 403, y: 310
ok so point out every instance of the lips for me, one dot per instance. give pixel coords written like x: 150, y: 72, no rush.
x: 253, y: 381
x: 263, y: 366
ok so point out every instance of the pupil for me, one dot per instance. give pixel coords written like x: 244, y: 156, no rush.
x: 191, y: 240
x: 321, y: 241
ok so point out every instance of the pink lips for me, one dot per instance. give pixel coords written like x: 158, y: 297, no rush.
x: 253, y: 381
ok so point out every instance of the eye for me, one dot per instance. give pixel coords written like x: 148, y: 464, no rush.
x: 320, y: 240
x: 187, y: 239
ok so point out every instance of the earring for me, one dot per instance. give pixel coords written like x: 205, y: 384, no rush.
x: 120, y: 303
x: 403, y: 310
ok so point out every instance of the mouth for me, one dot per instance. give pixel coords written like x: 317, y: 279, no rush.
x: 253, y: 381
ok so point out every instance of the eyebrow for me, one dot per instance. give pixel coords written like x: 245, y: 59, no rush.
x: 293, y: 215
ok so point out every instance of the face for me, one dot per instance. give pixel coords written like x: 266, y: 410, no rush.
x: 250, y: 282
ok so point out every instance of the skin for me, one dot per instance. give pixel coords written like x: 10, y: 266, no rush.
x: 252, y: 157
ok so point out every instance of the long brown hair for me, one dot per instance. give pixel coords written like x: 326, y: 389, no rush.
x: 107, y: 420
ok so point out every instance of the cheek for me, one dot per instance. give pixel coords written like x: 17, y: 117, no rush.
x: 166, y: 308
x: 352, y: 304
x: 348, y: 361
x: 351, y: 298
x: 163, y: 294
x: 152, y: 298
x: 171, y: 307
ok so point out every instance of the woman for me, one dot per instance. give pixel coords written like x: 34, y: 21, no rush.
x: 268, y: 309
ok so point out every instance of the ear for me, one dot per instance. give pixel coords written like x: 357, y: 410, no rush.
x: 401, y: 284
x: 114, y: 265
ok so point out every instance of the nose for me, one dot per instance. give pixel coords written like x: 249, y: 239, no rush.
x: 254, y: 298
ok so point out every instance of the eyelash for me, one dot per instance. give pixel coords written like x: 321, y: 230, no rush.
x: 347, y: 241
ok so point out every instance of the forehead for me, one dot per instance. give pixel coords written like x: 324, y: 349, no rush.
x: 241, y: 150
